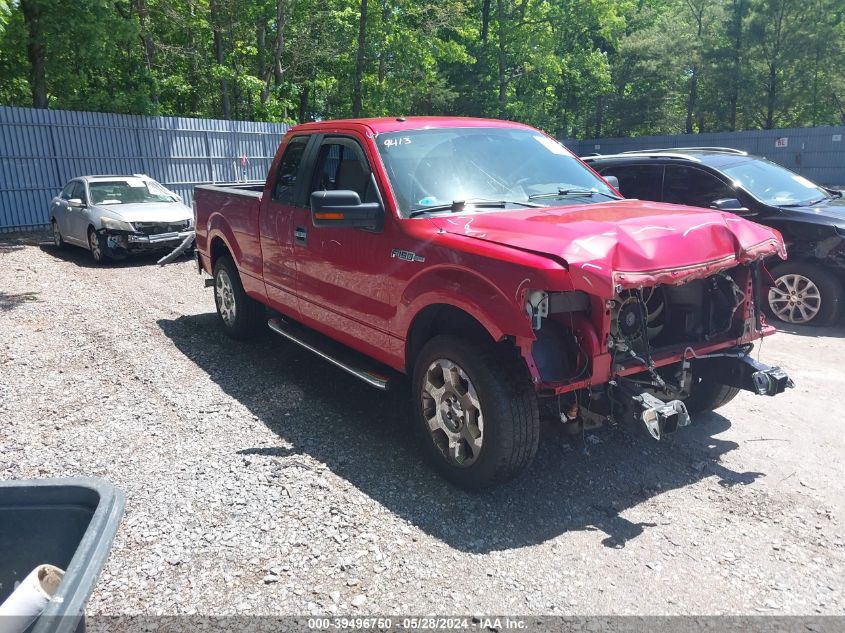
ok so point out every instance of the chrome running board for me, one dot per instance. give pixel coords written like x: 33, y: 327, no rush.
x: 329, y: 350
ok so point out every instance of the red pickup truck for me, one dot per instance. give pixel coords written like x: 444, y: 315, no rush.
x: 495, y: 268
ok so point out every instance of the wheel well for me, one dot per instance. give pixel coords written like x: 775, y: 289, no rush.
x: 218, y: 249
x: 441, y: 319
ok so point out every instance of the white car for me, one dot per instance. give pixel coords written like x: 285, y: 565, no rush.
x: 112, y: 216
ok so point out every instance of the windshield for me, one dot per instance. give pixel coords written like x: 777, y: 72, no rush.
x: 128, y: 191
x: 434, y: 168
x: 774, y: 184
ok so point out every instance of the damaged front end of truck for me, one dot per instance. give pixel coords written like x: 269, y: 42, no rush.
x: 658, y: 317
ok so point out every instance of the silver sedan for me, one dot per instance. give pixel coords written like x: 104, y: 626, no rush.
x: 112, y: 216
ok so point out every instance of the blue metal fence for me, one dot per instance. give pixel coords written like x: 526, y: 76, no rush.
x: 817, y: 153
x: 40, y: 150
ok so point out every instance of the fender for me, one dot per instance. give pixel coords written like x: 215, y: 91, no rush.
x: 468, y: 291
x: 218, y: 226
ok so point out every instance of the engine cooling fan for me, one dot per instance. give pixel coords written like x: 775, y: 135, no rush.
x: 639, y: 313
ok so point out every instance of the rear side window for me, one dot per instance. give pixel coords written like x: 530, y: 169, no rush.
x: 695, y: 187
x: 289, y: 168
x: 642, y: 182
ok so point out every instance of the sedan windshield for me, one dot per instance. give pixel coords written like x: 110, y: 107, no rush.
x: 128, y: 191
x: 775, y: 185
x: 443, y: 170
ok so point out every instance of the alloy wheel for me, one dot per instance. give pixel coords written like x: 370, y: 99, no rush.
x: 225, y: 297
x: 94, y: 245
x: 795, y: 298
x: 57, y: 234
x: 452, y: 412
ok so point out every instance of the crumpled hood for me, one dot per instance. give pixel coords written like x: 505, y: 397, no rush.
x: 147, y: 211
x: 627, y: 242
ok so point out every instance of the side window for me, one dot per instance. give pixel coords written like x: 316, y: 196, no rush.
x: 341, y: 165
x: 289, y: 168
x: 79, y: 192
x: 637, y: 181
x: 688, y: 185
x: 66, y: 192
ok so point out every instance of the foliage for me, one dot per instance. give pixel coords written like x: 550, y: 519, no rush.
x: 573, y: 67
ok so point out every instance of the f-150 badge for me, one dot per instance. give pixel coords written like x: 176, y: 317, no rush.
x: 408, y: 256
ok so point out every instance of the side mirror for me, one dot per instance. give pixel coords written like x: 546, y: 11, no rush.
x: 730, y: 204
x: 344, y: 208
x: 75, y: 202
x: 613, y: 181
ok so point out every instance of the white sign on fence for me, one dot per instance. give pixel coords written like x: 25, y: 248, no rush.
x: 837, y: 138
x: 783, y: 141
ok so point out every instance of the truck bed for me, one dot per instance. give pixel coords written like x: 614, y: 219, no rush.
x: 239, y: 204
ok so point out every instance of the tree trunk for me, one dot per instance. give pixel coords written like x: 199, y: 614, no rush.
x: 733, y: 97
x: 485, y: 20
x: 32, y: 12
x: 261, y: 55
x: 147, y: 40
x: 303, y: 103
x: 502, y: 57
x: 357, y: 99
x: 279, y: 44
x: 220, y: 55
x: 771, y: 96
x: 692, y: 98
x: 385, y: 27
x: 599, y: 114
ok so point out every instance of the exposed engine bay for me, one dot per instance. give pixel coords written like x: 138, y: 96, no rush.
x: 667, y: 315
x: 644, y: 328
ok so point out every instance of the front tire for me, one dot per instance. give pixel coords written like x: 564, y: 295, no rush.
x: 804, y: 294
x: 708, y: 395
x: 240, y: 315
x: 58, y: 240
x: 96, y: 245
x: 477, y: 411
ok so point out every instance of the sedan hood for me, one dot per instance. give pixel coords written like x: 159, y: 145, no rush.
x: 148, y: 211
x: 827, y: 212
x: 624, y: 243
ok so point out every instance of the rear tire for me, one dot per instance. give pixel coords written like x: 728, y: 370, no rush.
x: 708, y: 395
x: 477, y: 411
x: 240, y: 315
x: 804, y: 294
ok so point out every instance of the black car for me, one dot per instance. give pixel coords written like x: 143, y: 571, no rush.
x: 807, y: 289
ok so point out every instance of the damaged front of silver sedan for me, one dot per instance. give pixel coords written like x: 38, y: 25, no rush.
x: 113, y: 216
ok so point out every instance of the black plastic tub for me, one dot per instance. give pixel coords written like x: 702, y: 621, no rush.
x: 69, y: 523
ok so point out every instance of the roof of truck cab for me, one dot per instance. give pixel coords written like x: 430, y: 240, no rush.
x: 398, y: 124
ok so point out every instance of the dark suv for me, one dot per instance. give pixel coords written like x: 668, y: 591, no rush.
x: 807, y: 289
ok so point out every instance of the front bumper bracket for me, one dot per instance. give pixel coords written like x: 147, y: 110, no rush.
x: 746, y: 373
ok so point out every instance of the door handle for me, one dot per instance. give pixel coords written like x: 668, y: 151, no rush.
x: 300, y: 234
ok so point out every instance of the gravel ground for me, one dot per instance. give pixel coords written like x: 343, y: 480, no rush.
x: 260, y: 480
